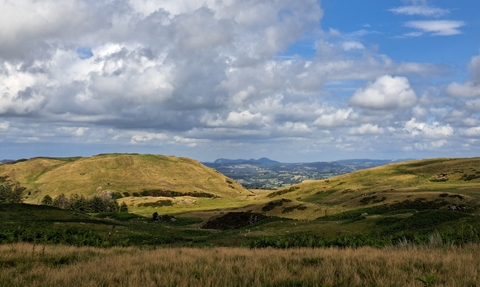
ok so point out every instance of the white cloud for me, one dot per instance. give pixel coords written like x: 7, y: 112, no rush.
x: 424, y: 130
x: 434, y: 145
x: 471, y: 87
x: 80, y: 131
x: 352, y: 45
x: 142, y: 137
x: 471, y: 132
x: 236, y: 119
x: 422, y: 10
x: 4, y: 126
x: 437, y: 27
x: 202, y: 73
x: 386, y: 93
x: 366, y: 129
x: 465, y: 90
x: 339, y: 118
x: 190, y: 142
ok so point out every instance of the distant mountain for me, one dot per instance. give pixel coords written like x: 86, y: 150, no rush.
x: 6, y: 160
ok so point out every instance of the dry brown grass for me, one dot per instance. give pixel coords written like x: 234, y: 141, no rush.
x: 118, y: 173
x: 28, y: 265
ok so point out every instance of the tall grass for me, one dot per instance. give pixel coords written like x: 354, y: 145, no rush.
x: 38, y: 265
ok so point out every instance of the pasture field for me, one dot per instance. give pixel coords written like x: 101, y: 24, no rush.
x: 55, y: 265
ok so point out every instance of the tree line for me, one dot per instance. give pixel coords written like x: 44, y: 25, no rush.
x: 80, y: 203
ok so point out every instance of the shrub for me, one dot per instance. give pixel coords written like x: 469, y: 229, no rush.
x: 47, y: 200
x: 10, y: 194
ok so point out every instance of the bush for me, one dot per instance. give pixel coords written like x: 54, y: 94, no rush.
x: 10, y: 194
x: 47, y: 200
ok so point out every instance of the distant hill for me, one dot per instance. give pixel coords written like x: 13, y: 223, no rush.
x: 121, y: 173
x: 262, y: 160
x: 267, y: 173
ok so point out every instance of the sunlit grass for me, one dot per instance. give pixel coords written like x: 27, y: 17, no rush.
x: 38, y: 265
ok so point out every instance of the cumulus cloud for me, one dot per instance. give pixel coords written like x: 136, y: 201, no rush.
x: 434, y: 130
x: 198, y: 73
x: 437, y: 27
x: 471, y: 87
x: 386, y: 93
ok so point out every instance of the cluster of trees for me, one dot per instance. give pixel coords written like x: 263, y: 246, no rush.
x: 79, y: 203
x: 10, y: 194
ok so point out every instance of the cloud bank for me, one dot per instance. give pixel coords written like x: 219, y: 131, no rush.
x: 205, y: 77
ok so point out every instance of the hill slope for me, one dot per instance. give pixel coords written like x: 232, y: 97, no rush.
x: 451, y: 181
x: 117, y: 173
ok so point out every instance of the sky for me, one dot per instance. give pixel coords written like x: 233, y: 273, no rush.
x: 294, y: 81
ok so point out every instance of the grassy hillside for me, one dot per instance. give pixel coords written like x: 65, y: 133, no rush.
x: 451, y: 181
x: 123, y: 173
x: 379, y: 206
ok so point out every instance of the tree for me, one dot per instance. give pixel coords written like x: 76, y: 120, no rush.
x: 47, y: 200
x: 5, y: 191
x: 78, y: 203
x: 97, y: 204
x: 9, y: 194
x: 123, y: 207
x: 61, y: 201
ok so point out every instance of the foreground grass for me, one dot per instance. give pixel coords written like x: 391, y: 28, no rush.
x: 38, y: 265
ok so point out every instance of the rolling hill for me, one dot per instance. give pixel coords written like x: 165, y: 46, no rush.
x: 122, y: 173
x: 409, y: 201
x: 436, y: 182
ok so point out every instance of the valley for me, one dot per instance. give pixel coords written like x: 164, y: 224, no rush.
x: 268, y: 174
x: 196, y: 205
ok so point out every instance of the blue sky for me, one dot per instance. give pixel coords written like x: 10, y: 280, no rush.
x: 290, y: 80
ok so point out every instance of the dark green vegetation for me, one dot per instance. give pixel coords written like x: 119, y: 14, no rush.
x: 423, y: 202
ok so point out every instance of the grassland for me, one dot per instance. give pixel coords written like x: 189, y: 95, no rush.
x: 398, y: 218
x: 404, y: 200
x: 121, y: 173
x: 38, y: 265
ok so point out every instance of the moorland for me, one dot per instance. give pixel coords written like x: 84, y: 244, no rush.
x: 409, y: 211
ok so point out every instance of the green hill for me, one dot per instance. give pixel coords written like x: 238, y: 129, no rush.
x: 410, y: 201
x: 126, y: 174
x: 450, y: 181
